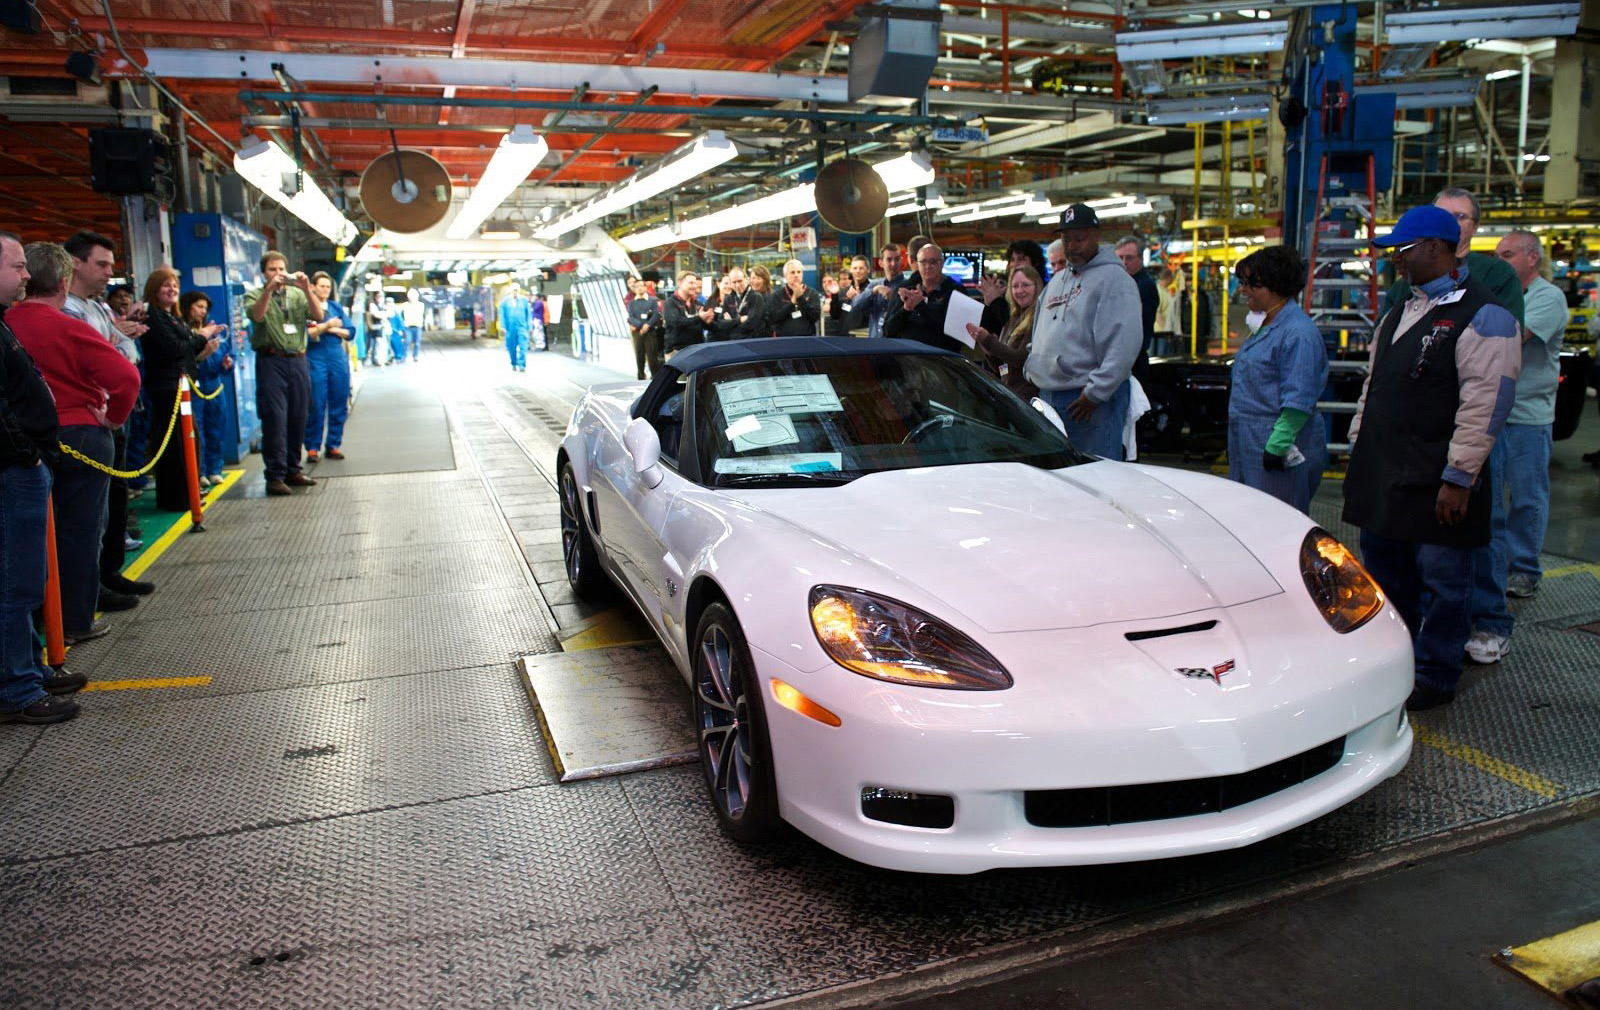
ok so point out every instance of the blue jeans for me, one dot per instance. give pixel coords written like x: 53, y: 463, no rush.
x: 80, y: 499
x: 414, y: 339
x: 1101, y: 435
x: 24, y: 492
x: 330, y: 393
x: 1428, y: 586
x: 1519, y: 464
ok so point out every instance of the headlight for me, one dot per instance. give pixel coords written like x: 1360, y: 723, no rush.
x: 884, y: 639
x: 1339, y: 586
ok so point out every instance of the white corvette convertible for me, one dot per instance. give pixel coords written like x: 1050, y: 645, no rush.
x: 922, y: 628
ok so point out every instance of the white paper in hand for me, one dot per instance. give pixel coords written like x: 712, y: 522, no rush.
x: 963, y: 310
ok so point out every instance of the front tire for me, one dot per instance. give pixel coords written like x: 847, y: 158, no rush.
x: 735, y: 751
x: 578, y: 555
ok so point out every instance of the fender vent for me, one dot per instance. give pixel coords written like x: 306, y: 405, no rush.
x: 1187, y: 629
x: 594, y: 513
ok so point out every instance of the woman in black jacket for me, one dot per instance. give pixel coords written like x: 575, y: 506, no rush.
x: 170, y: 351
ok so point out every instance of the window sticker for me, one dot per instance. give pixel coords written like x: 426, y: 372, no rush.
x: 794, y: 462
x: 777, y: 394
x: 762, y: 431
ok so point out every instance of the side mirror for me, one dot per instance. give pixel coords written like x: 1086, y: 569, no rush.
x: 1050, y: 414
x: 644, y: 448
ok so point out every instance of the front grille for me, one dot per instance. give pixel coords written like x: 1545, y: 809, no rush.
x: 1158, y: 801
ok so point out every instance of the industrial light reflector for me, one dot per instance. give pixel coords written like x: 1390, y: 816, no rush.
x: 693, y: 159
x: 1403, y: 61
x: 519, y: 153
x: 264, y: 165
x: 1457, y: 24
x: 1439, y: 94
x: 1202, y: 40
x: 1185, y: 111
x: 898, y: 174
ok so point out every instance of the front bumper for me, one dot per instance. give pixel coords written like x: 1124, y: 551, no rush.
x: 1129, y: 721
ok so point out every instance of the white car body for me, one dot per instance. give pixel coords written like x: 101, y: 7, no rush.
x: 1048, y: 570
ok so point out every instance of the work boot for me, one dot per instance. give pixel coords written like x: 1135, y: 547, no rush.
x: 335, y: 454
x: 122, y: 584
x: 278, y: 488
x: 46, y: 710
x: 311, y: 456
x: 112, y: 601
x: 299, y: 480
x: 64, y: 681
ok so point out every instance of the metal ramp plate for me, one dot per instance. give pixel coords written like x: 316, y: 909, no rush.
x: 610, y: 711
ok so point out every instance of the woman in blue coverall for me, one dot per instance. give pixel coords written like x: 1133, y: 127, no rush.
x: 329, y: 362
x: 194, y: 308
x: 1277, y: 441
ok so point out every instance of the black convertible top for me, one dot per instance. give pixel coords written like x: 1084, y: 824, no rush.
x: 732, y: 352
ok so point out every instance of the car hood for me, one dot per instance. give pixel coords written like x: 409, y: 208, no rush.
x: 1017, y: 548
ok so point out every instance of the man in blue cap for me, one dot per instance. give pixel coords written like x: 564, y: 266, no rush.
x: 1442, y: 377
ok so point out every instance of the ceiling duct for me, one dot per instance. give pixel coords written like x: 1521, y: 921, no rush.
x: 894, y: 54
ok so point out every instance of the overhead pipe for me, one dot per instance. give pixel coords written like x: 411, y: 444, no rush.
x: 116, y: 40
x: 638, y: 104
x: 712, y: 111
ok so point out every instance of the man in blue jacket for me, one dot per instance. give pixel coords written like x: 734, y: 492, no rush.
x: 516, y: 323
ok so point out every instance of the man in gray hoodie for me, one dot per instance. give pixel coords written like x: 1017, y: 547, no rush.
x: 1086, y: 337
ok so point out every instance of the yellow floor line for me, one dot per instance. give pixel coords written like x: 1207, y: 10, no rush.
x: 606, y: 630
x: 1487, y: 762
x: 151, y: 682
x: 179, y: 527
x: 1557, y: 963
x: 1556, y: 573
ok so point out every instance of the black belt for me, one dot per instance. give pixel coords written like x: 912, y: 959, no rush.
x: 273, y: 352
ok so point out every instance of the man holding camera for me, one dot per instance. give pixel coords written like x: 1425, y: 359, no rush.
x: 280, y: 312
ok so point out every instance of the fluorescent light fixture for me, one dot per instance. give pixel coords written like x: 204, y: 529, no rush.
x: 264, y: 165
x: 519, y: 153
x: 1500, y: 75
x: 1202, y: 40
x: 1403, y: 61
x: 503, y: 231
x: 1145, y: 78
x: 1441, y: 94
x: 1031, y: 205
x: 908, y: 171
x: 693, y: 159
x: 1185, y: 111
x: 1458, y: 24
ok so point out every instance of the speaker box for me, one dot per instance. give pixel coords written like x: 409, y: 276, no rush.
x: 84, y: 67
x: 21, y: 16
x: 130, y: 162
x: 893, y: 57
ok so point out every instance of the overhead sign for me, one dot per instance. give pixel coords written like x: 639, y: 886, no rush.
x: 959, y: 135
x: 803, y: 238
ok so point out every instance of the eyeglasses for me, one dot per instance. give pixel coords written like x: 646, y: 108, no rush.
x: 1461, y: 215
x: 927, y: 263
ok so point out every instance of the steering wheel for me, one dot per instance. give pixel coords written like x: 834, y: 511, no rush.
x: 931, y: 424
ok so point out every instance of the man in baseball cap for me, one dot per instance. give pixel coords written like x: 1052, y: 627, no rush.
x: 1086, y: 337
x: 1441, y: 377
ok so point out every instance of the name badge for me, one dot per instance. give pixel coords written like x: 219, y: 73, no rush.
x: 1005, y: 370
x: 290, y: 328
x: 1454, y: 296
x: 795, y: 314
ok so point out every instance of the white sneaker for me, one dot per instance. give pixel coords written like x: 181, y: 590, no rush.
x: 205, y: 483
x: 1486, y: 647
x: 216, y: 478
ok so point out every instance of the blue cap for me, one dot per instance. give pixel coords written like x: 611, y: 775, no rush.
x: 1422, y: 222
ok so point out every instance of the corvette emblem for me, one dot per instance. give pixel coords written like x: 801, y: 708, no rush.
x: 1215, y: 673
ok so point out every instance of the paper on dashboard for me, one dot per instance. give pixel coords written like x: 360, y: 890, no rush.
x: 963, y: 310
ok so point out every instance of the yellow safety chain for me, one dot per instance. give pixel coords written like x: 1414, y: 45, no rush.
x: 130, y: 474
x: 204, y: 396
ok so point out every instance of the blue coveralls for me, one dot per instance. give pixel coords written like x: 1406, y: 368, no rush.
x: 1283, y: 364
x: 329, y: 362
x: 210, y: 413
x: 397, y: 336
x: 516, y: 322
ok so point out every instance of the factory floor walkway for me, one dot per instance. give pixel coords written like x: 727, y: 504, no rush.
x: 311, y: 777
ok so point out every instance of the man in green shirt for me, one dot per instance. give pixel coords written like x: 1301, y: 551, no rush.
x: 1490, y: 271
x: 280, y: 311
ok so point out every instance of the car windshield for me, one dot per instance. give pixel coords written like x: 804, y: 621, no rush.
x: 827, y: 420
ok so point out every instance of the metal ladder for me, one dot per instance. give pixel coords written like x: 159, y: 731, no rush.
x: 1341, y: 300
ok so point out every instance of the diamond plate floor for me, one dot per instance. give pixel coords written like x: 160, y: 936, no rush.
x: 357, y: 809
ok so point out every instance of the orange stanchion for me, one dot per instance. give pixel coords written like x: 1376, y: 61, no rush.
x: 55, y: 640
x: 190, y: 463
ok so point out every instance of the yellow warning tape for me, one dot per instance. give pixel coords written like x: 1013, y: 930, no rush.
x: 1487, y: 762
x: 1557, y: 963
x: 172, y: 423
x: 1556, y: 573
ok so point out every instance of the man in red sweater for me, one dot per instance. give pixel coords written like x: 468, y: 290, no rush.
x: 95, y: 387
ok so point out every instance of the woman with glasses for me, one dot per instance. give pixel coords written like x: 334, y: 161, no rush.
x: 1277, y: 441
